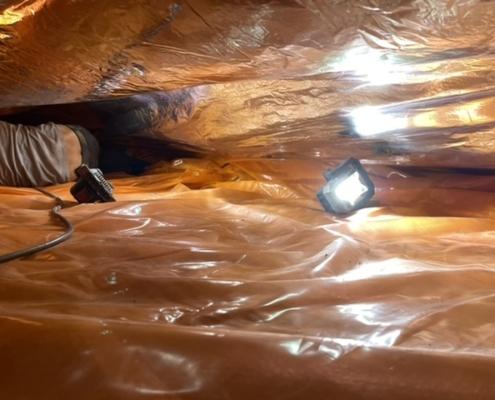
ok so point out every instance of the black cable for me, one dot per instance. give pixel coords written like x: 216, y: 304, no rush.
x: 69, y: 230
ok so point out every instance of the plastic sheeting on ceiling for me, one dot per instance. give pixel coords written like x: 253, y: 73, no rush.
x: 221, y: 277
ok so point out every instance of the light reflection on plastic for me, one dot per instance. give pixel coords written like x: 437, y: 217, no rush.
x: 369, y: 121
x: 371, y: 314
x: 371, y: 66
x: 10, y: 17
x: 386, y: 339
x: 154, y: 386
x: 298, y: 346
x: 351, y: 189
x: 331, y: 349
x: 274, y: 315
x: 284, y: 297
x: 365, y: 313
x: 391, y: 267
x: 16, y: 13
x: 470, y: 114
x: 426, y: 119
x: 131, y: 211
x: 362, y: 216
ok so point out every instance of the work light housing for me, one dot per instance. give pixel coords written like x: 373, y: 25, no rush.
x: 348, y: 188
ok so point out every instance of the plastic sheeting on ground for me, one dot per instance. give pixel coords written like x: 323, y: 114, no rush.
x: 226, y: 280
x: 222, y: 278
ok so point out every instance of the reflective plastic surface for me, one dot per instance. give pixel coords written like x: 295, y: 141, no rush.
x: 222, y: 278
x: 414, y: 78
x: 211, y: 280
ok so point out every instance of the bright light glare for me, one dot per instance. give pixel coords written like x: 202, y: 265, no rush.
x: 351, y: 189
x: 470, y: 114
x: 369, y: 121
x: 371, y: 66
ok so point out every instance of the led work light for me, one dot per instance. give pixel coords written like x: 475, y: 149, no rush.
x: 348, y: 188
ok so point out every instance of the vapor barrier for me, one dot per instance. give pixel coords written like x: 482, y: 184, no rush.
x: 221, y: 277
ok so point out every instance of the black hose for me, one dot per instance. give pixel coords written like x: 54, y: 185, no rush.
x: 68, y: 227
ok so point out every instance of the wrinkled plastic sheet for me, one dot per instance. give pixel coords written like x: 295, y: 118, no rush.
x: 222, y: 277
x: 272, y: 77
x: 215, y: 280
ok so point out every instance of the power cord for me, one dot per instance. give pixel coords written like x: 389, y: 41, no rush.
x: 68, y: 231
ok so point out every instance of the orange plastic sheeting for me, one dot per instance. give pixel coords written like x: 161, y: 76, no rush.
x: 413, y: 78
x: 224, y: 279
x: 320, y: 119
